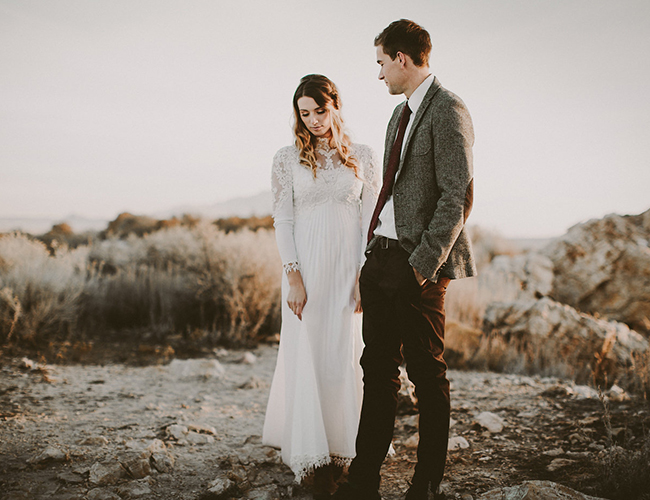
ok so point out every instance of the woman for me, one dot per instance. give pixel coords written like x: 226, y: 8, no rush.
x: 324, y: 190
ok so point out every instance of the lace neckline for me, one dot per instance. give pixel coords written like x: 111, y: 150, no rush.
x: 323, y: 146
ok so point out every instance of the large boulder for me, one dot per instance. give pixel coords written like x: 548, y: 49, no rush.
x: 603, y: 267
x: 535, y: 490
x: 544, y: 336
x: 510, y: 277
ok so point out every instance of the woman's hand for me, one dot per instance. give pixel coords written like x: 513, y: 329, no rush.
x: 357, y: 297
x: 297, y: 297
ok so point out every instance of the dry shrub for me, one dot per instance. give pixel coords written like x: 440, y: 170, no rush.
x: 181, y: 279
x: 190, y: 279
x: 625, y: 471
x: 487, y: 244
x: 465, y: 305
x: 529, y: 355
x: 40, y: 292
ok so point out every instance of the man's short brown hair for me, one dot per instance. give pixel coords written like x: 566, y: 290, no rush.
x: 407, y: 37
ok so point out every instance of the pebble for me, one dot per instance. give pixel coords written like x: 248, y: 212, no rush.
x: 94, y: 441
x: 50, y: 454
x: 106, y: 473
x: 616, y: 393
x: 248, y: 358
x: 177, y: 431
x: 102, y: 494
x: 458, y: 443
x: 196, y: 438
x: 558, y: 463
x: 135, y: 489
x: 490, y: 421
x: 202, y: 429
x: 220, y: 486
x: 70, y: 478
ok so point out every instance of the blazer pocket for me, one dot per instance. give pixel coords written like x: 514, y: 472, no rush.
x: 420, y: 146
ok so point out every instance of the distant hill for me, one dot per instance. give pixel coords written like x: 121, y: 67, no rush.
x: 259, y: 205
x: 40, y: 225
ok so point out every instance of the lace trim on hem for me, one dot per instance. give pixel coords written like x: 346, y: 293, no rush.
x: 304, y: 465
x: 291, y: 266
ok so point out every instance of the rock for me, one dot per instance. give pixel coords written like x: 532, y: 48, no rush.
x: 587, y: 421
x: 135, y: 489
x: 27, y: 364
x: 535, y: 490
x: 187, y: 369
x: 157, y: 445
x: 94, y: 441
x: 202, y: 429
x: 18, y: 495
x: 106, y: 473
x: 248, y: 358
x: 582, y: 392
x: 615, y: 393
x: 253, y: 383
x: 517, y: 277
x: 490, y: 421
x: 554, y: 452
x: 70, y: 478
x: 162, y: 462
x: 196, y: 438
x: 544, y: 335
x: 266, y: 493
x: 412, y: 441
x: 49, y: 454
x: 177, y: 431
x: 221, y: 486
x: 603, y: 266
x: 457, y: 443
x: 102, y: 494
x: 406, y: 399
x: 136, y: 465
x: 558, y: 463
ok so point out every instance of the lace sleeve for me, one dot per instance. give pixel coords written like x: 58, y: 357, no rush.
x: 282, y: 188
x: 371, y: 179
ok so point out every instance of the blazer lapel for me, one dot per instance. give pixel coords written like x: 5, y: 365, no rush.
x: 435, y: 86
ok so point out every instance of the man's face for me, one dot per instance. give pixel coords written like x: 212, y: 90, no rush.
x: 391, y: 71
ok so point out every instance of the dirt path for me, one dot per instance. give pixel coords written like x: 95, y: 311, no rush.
x: 191, y: 430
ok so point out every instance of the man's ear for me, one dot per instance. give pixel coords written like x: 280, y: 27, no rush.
x: 401, y: 57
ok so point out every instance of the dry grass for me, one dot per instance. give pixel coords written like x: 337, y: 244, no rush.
x: 178, y: 279
x: 625, y: 469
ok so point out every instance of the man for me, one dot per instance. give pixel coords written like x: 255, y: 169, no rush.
x: 417, y: 244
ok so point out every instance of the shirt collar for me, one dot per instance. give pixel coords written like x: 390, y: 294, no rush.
x: 418, y: 95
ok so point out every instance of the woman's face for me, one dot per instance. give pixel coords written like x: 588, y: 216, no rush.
x: 316, y: 118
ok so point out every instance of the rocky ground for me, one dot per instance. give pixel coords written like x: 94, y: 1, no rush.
x: 191, y: 430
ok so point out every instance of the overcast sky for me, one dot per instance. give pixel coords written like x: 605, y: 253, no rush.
x: 143, y: 105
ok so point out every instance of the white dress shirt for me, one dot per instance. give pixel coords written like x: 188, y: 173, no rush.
x: 386, y: 225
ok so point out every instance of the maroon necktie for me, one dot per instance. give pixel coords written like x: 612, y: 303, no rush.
x: 391, y: 170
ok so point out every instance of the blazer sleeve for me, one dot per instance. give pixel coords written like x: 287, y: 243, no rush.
x: 453, y: 138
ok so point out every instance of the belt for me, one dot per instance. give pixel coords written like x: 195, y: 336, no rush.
x: 385, y: 243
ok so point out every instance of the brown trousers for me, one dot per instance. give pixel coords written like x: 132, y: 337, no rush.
x: 401, y: 318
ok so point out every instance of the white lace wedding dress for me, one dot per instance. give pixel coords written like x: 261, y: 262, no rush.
x: 321, y: 225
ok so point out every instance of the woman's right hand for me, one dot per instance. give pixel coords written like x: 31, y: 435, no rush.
x: 297, y: 297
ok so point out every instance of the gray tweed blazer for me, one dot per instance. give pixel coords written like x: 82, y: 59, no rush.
x: 433, y: 192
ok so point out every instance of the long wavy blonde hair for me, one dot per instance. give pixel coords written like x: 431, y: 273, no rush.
x: 322, y: 90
